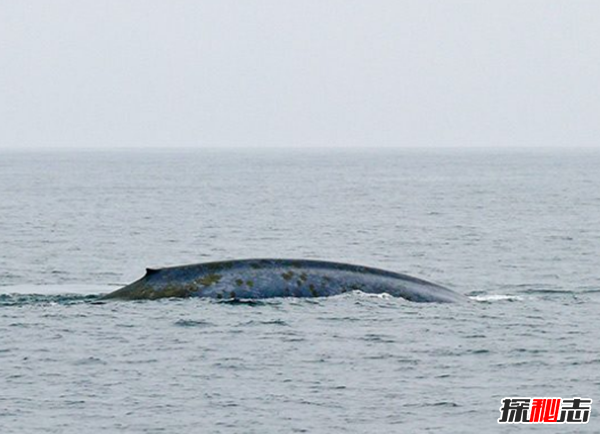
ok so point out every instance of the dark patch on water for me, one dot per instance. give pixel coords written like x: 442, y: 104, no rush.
x: 246, y: 302
x: 193, y: 323
x: 40, y: 299
x: 90, y: 361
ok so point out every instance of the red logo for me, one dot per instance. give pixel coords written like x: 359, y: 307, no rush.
x: 545, y: 410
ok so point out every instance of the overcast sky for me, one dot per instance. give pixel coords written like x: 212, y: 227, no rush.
x: 161, y: 73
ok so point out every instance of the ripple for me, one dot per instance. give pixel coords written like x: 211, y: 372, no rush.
x: 193, y: 323
x: 12, y: 300
x: 496, y: 297
x: 90, y: 361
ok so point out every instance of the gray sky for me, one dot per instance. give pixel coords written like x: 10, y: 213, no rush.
x: 157, y: 73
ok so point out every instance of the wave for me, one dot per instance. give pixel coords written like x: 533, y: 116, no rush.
x: 18, y: 295
x: 79, y: 289
x: 27, y: 299
x: 496, y: 297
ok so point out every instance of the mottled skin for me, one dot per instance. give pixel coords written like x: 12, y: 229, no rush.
x: 267, y: 278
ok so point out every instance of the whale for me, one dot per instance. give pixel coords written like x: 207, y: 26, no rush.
x: 251, y: 279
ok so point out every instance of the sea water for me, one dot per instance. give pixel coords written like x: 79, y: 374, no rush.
x: 517, y: 231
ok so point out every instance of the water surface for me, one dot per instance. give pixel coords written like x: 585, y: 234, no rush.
x: 516, y: 231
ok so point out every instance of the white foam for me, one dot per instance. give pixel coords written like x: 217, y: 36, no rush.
x: 383, y: 295
x: 496, y: 297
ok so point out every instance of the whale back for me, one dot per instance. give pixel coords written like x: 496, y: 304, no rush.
x: 267, y: 278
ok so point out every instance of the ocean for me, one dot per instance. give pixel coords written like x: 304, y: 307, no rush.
x: 518, y: 231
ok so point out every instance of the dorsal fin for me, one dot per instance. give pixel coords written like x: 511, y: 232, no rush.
x: 151, y: 271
